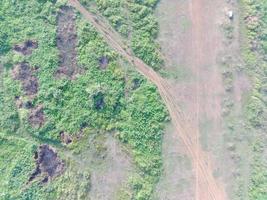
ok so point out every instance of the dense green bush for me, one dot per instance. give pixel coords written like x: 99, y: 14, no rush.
x: 136, y: 22
x: 254, y: 14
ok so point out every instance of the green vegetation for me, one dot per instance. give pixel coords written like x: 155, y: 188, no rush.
x: 115, y: 99
x: 246, y: 125
x: 16, y: 164
x: 135, y: 21
x: 254, y: 53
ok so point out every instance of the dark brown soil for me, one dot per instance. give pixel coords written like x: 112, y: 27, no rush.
x: 23, y: 72
x: 30, y: 86
x: 65, y: 138
x: 26, y: 48
x: 67, y: 42
x: 103, y: 62
x: 48, y: 163
x: 36, y: 117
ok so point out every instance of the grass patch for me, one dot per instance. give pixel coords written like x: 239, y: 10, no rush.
x: 95, y: 100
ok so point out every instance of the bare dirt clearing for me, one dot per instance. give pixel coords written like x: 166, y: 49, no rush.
x: 36, y: 116
x: 48, y: 164
x: 110, y: 173
x: 109, y: 165
x: 177, y: 179
x: 188, y: 133
x: 23, y: 72
x: 191, y: 39
x: 67, y: 41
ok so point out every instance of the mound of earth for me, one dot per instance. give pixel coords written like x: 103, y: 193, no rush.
x: 26, y: 48
x: 48, y: 164
x: 36, y: 117
x: 67, y: 41
x: 23, y: 72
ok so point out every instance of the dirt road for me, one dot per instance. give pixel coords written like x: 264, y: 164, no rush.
x: 207, y: 184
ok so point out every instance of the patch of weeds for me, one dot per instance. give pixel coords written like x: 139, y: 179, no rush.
x: 254, y: 14
x: 76, y: 106
x: 228, y: 30
x: 136, y: 22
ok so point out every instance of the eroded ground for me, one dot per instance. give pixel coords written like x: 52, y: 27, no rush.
x: 67, y: 42
x: 48, y: 164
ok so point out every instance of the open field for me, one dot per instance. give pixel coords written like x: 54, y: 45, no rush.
x: 119, y: 99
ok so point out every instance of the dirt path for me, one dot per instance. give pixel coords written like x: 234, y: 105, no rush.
x: 205, y: 43
x: 210, y: 189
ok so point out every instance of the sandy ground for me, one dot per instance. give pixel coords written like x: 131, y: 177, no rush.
x: 178, y: 177
x: 192, y: 40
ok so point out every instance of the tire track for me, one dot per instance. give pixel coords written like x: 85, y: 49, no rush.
x: 210, y: 188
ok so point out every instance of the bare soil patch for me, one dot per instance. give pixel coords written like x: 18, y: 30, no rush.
x: 21, y: 104
x: 177, y: 180
x: 136, y: 83
x: 112, y: 172
x: 23, y: 72
x: 191, y: 40
x: 36, y: 117
x: 26, y: 48
x: 67, y: 42
x: 48, y: 164
x: 241, y: 86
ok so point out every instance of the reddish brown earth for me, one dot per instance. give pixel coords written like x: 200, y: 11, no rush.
x: 67, y: 42
x: 103, y: 62
x: 205, y: 42
x: 185, y: 126
x: 23, y: 72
